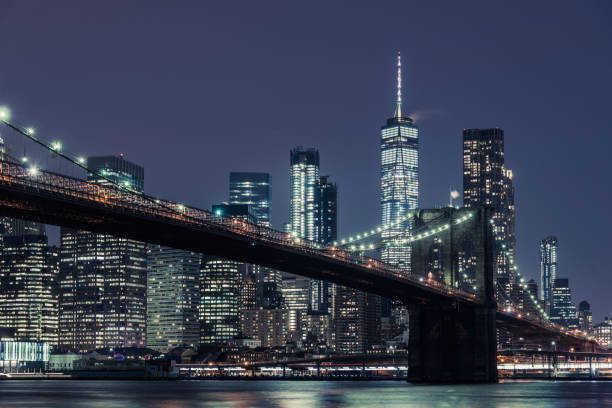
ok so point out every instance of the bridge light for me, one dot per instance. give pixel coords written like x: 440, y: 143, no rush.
x: 29, y: 131
x: 56, y: 146
x: 5, y: 113
x: 24, y: 159
x: 80, y: 160
x: 33, y: 171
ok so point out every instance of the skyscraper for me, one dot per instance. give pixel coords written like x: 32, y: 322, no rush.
x: 486, y: 182
x: 563, y: 310
x: 28, y: 288
x: 221, y: 286
x: 301, y: 293
x: 173, y: 297
x: 103, y: 279
x: 327, y: 220
x: 304, y: 181
x: 252, y: 189
x: 219, y: 300
x: 585, y: 317
x: 548, y: 269
x: 399, y: 181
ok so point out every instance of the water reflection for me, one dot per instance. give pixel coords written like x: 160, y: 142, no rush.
x: 298, y: 394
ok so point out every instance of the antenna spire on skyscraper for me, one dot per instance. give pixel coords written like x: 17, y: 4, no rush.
x: 398, y: 111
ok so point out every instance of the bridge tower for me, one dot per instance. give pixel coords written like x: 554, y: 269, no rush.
x: 454, y: 341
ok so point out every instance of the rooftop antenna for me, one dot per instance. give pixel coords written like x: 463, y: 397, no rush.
x: 398, y: 110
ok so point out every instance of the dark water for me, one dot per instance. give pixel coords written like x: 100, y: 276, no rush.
x: 284, y: 394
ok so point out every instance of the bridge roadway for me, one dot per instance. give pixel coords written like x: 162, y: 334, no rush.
x: 57, y: 199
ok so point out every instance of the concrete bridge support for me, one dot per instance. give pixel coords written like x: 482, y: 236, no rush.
x: 452, y: 344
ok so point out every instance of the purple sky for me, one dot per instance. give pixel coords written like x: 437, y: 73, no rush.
x: 194, y: 90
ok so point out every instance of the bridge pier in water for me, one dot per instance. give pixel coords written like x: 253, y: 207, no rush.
x: 452, y: 344
x: 454, y: 341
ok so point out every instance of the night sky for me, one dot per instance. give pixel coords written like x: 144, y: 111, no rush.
x: 194, y: 90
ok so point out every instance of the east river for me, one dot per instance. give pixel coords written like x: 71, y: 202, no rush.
x: 337, y: 394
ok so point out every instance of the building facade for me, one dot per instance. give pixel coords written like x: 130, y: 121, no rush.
x: 173, y: 297
x: 399, y: 182
x: 585, y: 317
x: 548, y: 270
x: 220, y: 282
x: 563, y: 310
x: 103, y: 279
x: 603, y: 333
x: 28, y: 288
x: 252, y: 189
x: 487, y: 183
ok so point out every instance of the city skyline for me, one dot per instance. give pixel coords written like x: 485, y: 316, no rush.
x: 355, y: 218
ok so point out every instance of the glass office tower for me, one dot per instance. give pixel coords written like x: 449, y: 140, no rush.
x: 563, y: 310
x: 252, y: 189
x: 28, y: 288
x: 548, y: 269
x: 399, y: 181
x: 486, y: 182
x: 103, y: 279
x: 173, y: 296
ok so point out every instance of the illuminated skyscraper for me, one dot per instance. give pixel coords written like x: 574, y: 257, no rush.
x: 304, y: 212
x: 304, y: 180
x: 327, y: 219
x: 103, y: 279
x: 487, y: 183
x: 221, y: 286
x: 399, y: 181
x: 219, y: 300
x: 28, y: 288
x: 252, y: 189
x: 173, y: 297
x: 548, y: 269
x: 563, y: 311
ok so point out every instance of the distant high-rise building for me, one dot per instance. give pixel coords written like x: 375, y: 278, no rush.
x: 487, y: 183
x: 116, y: 169
x: 252, y: 189
x: 220, y: 281
x: 28, y: 288
x: 305, y: 223
x: 327, y: 219
x: 304, y: 179
x: 548, y: 270
x: 270, y: 326
x: 103, y: 279
x: 585, y: 317
x: 399, y: 181
x: 356, y: 321
x: 221, y: 286
x: 173, y: 297
x: 563, y: 310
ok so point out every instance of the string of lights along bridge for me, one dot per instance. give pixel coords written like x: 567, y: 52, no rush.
x: 342, y: 249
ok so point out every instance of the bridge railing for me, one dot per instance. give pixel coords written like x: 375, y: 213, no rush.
x: 129, y: 200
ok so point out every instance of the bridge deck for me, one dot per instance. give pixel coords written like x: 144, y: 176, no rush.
x: 71, y: 202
